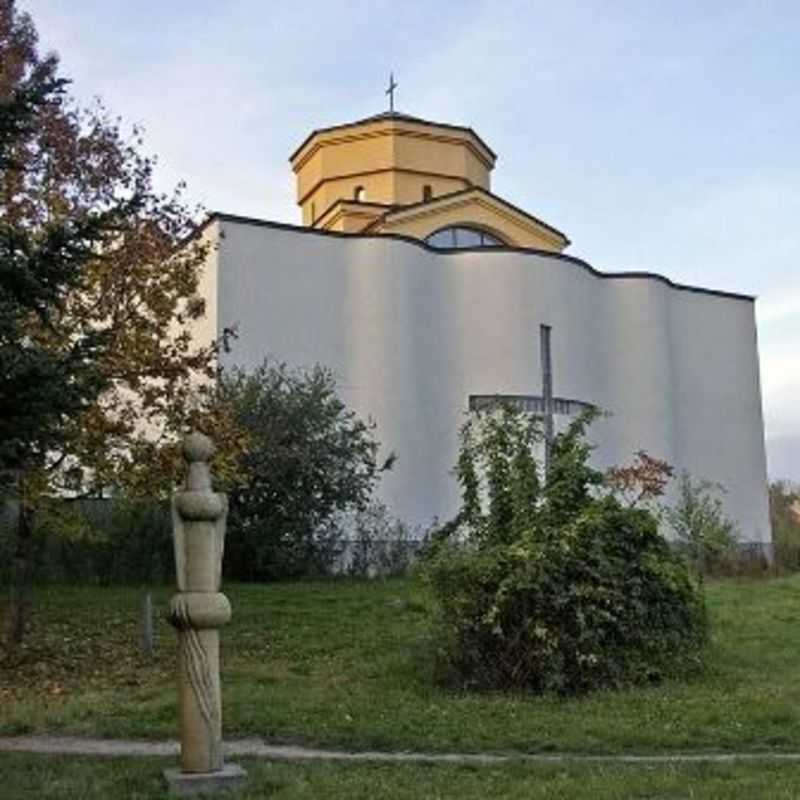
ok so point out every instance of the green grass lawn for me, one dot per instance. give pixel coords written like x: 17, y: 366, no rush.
x: 347, y: 665
x: 47, y: 778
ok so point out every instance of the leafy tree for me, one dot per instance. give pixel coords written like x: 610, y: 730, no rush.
x: 40, y: 385
x: 547, y: 582
x: 99, y: 277
x: 308, y: 457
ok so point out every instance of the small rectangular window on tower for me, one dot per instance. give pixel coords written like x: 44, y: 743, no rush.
x: 427, y: 192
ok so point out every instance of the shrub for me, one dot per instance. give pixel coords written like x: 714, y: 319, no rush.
x: 110, y: 541
x: 784, y: 512
x: 133, y: 541
x: 546, y: 583
x: 365, y: 542
x: 641, y: 482
x: 702, y: 531
x: 308, y: 458
x: 376, y: 544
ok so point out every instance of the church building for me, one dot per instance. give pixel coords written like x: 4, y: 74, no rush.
x: 429, y: 295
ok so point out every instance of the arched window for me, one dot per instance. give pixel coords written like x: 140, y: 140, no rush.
x: 462, y: 236
x: 359, y: 194
x: 427, y: 192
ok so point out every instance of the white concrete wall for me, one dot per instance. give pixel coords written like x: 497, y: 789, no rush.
x: 206, y: 329
x: 412, y: 333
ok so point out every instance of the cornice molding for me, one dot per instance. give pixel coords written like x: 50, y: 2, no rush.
x: 329, y: 137
x: 476, y: 198
x: 490, y: 252
x: 393, y: 118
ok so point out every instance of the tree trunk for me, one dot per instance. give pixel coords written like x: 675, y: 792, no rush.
x: 21, y: 573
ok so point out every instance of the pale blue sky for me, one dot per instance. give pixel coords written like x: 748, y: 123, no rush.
x: 659, y: 135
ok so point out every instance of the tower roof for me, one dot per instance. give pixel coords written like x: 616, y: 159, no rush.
x: 394, y: 116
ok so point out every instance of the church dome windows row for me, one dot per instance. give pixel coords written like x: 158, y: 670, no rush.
x: 461, y: 236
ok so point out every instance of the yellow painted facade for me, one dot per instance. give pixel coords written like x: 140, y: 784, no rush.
x: 397, y: 174
x: 349, y: 217
x: 474, y: 209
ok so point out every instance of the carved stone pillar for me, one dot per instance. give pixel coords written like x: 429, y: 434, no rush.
x: 197, y: 612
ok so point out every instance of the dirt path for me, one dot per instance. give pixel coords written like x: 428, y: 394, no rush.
x: 257, y: 748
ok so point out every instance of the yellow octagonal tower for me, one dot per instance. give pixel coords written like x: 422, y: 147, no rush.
x: 393, y: 173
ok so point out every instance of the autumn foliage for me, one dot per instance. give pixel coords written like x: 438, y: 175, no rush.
x: 641, y: 481
x: 134, y: 294
x: 99, y: 274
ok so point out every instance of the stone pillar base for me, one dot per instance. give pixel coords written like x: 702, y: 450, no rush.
x: 187, y: 784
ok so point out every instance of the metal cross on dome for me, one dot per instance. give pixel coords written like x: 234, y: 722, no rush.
x: 390, y: 91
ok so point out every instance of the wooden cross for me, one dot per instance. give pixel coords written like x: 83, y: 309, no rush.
x: 390, y: 91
